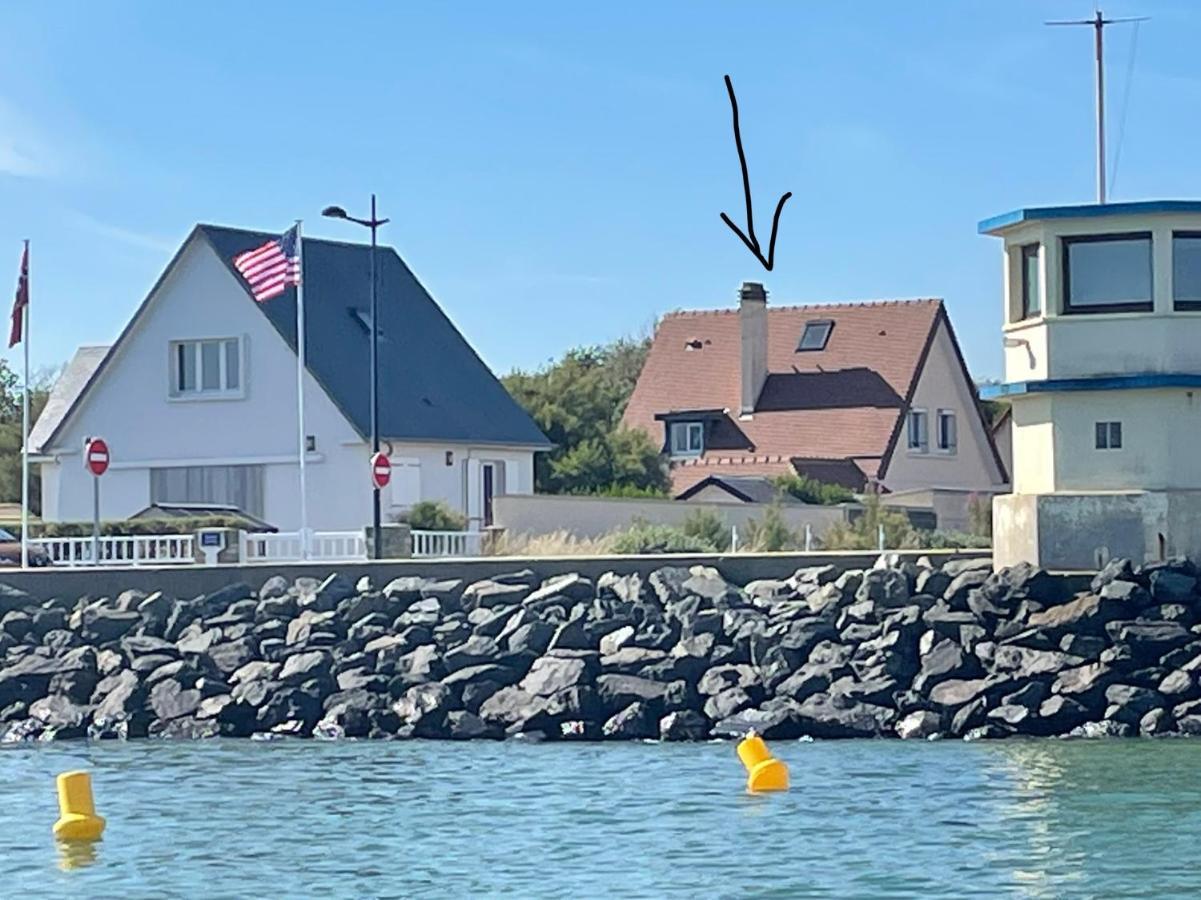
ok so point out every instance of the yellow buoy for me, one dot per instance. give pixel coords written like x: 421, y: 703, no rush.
x: 764, y: 771
x: 77, y: 813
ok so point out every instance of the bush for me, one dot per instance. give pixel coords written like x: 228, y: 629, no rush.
x: 770, y: 535
x: 434, y: 515
x: 631, y: 491
x: 643, y: 537
x: 556, y: 543
x: 863, y: 533
x: 810, y: 490
x: 979, y: 515
x: 707, y: 526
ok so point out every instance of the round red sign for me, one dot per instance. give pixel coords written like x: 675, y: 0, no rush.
x: 96, y: 456
x: 381, y: 470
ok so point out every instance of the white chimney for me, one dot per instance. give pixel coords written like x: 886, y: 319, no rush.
x: 752, y: 321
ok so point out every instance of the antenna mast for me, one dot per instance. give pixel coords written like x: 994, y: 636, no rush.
x: 1099, y: 22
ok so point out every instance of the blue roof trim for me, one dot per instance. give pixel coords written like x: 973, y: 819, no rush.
x: 1085, y: 211
x: 1096, y: 383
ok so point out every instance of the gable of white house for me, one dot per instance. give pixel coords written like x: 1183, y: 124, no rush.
x: 957, y: 455
x: 163, y: 437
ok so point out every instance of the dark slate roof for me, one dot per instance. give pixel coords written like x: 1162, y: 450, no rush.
x: 747, y: 488
x: 432, y: 384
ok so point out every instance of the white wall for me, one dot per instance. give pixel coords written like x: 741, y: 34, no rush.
x: 130, y: 407
x: 971, y: 467
x: 596, y: 516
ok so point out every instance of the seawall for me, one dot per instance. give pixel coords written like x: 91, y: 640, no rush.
x: 647, y: 647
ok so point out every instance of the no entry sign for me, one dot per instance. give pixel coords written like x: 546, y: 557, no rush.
x: 381, y: 471
x: 96, y: 456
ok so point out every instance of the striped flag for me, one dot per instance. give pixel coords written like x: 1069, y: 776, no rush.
x: 269, y: 269
x: 17, y: 331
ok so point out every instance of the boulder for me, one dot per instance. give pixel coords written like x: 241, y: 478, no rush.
x: 616, y: 692
x: 475, y: 651
x: 462, y: 725
x: 685, y: 725
x: 170, y: 700
x: 920, y: 724
x: 636, y: 722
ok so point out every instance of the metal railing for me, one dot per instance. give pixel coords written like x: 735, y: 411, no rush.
x: 288, y: 546
x: 121, y: 550
x: 253, y: 547
x: 429, y: 544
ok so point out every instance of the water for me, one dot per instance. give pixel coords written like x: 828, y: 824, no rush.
x: 867, y: 819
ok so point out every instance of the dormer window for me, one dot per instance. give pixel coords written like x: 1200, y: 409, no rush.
x: 686, y: 438
x: 815, y: 335
x: 1107, y: 273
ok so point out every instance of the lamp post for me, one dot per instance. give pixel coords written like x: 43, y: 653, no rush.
x: 337, y: 212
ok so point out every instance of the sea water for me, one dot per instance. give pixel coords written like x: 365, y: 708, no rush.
x: 229, y: 818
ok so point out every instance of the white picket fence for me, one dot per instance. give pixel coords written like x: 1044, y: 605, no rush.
x: 254, y: 547
x: 432, y: 544
x: 121, y: 550
x: 288, y: 546
x: 351, y: 546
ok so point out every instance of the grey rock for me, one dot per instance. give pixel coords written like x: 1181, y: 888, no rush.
x: 920, y: 724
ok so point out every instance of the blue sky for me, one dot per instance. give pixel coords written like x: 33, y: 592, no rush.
x: 554, y: 172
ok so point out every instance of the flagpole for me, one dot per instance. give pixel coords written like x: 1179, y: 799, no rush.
x: 300, y: 369
x: 25, y: 425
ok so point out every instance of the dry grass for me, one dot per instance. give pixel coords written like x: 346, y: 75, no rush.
x: 556, y: 543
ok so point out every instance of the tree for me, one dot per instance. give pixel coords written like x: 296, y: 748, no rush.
x: 578, y: 402
x: 810, y: 490
x: 10, y: 431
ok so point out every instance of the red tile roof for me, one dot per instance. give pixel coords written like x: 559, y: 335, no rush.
x: 844, y: 401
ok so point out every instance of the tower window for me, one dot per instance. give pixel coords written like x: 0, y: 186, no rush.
x: 1107, y: 273
x: 1109, y: 435
x: 1032, y: 296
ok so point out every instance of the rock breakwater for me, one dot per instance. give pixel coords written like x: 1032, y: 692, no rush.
x: 900, y: 650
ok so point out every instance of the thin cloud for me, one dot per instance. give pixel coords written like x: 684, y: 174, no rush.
x: 24, y: 153
x: 122, y: 235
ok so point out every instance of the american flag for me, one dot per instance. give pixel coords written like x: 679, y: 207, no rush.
x: 269, y: 269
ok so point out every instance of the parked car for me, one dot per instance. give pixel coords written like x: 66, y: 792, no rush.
x: 10, y: 551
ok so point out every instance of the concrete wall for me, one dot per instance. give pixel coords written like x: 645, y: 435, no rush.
x: 192, y: 581
x: 971, y: 466
x: 595, y: 516
x: 1083, y: 531
x: 131, y: 407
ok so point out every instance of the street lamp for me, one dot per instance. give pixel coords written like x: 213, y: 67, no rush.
x: 337, y: 212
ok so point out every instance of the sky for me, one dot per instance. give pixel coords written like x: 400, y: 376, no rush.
x: 554, y: 172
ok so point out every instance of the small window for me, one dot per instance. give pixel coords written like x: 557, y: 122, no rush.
x: 1032, y: 297
x: 815, y: 335
x: 1186, y: 270
x: 687, y: 438
x: 206, y: 367
x: 948, y: 436
x: 919, y: 438
x: 1109, y: 435
x: 1109, y: 273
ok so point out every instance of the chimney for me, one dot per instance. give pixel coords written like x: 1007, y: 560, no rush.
x: 752, y: 321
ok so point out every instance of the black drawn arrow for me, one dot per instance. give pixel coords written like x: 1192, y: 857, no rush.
x: 752, y: 242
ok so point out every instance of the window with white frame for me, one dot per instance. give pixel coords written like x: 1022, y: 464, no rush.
x: 948, y: 435
x: 919, y: 431
x: 206, y: 367
x: 1109, y: 436
x: 687, y: 438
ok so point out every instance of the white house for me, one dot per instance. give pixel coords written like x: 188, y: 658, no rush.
x: 197, y: 398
